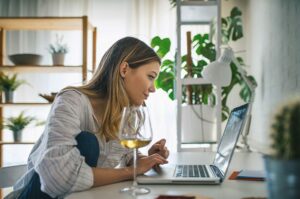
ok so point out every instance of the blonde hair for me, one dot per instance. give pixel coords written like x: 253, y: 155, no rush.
x: 107, y: 82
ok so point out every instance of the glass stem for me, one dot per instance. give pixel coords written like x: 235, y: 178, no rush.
x: 134, y: 166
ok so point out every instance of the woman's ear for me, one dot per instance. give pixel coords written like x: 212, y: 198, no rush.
x: 123, y: 69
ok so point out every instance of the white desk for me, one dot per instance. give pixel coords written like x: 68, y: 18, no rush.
x: 229, y: 189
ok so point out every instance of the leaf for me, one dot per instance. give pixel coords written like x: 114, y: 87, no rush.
x: 209, y: 51
x: 19, y: 122
x: 8, y: 83
x: 245, y: 93
x: 225, y: 112
x: 204, y: 52
x: 163, y: 45
x: 235, y: 12
x: 235, y: 29
x: 165, y: 81
x: 58, y: 46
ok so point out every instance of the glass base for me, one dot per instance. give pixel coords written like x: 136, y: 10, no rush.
x: 135, y: 190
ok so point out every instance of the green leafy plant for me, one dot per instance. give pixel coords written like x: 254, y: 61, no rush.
x: 173, y: 3
x: 203, y: 52
x: 18, y: 123
x: 9, y: 83
x: 58, y: 46
x: 285, y: 131
x: 202, y: 48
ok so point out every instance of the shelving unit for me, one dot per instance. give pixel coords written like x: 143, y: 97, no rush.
x: 24, y: 104
x: 41, y: 69
x: 182, y: 21
x: 44, y: 23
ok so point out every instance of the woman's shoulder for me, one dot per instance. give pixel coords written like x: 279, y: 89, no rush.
x: 70, y: 92
x: 71, y: 96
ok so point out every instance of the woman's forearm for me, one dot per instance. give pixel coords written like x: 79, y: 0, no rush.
x: 104, y: 176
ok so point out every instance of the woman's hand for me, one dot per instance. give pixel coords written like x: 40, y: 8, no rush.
x: 159, y: 148
x: 145, y: 163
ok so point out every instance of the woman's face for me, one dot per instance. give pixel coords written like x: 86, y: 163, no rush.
x: 139, y: 82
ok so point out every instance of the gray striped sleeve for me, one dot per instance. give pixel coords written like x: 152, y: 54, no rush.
x: 61, y: 167
x: 65, y: 173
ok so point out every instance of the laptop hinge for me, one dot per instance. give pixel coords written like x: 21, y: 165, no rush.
x: 217, y: 172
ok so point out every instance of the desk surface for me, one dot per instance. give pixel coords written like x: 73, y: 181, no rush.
x: 229, y: 189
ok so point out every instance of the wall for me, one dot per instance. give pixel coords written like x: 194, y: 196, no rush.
x: 274, y: 55
x: 114, y: 19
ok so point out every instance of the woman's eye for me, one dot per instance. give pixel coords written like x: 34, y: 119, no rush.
x: 151, y: 77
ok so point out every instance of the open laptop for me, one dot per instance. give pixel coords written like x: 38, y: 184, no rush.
x: 203, y: 174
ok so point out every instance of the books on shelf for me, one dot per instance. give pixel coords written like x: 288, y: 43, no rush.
x: 250, y: 175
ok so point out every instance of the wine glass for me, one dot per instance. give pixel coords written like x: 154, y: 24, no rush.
x: 135, y: 132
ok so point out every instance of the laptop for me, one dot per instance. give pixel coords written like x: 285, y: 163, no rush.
x: 203, y: 174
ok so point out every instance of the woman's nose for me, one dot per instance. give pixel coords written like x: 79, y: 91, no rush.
x: 152, y: 88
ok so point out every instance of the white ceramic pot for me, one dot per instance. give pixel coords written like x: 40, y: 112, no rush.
x: 196, y: 130
x: 58, y: 59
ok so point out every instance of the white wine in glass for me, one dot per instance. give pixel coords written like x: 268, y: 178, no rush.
x: 135, y: 132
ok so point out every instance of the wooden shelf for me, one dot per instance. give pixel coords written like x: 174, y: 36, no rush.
x: 15, y: 143
x: 42, y: 23
x: 80, y: 24
x: 41, y: 68
x: 199, y: 3
x: 25, y: 104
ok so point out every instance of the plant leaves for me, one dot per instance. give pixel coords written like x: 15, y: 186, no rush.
x: 235, y: 29
x: 235, y: 12
x: 19, y: 122
x: 203, y: 52
x: 8, y: 83
x: 163, y: 45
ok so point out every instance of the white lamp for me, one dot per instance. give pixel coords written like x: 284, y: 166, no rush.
x: 219, y: 73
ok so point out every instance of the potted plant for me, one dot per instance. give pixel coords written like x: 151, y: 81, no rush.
x: 18, y: 123
x: 283, y: 163
x: 203, y: 52
x: 193, y: 96
x: 9, y: 84
x: 58, y: 51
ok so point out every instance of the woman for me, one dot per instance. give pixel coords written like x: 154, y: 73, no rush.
x: 79, y: 148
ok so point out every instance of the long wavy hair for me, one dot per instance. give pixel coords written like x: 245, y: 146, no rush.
x: 108, y: 83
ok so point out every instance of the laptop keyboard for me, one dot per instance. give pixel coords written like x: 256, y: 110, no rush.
x: 191, y: 171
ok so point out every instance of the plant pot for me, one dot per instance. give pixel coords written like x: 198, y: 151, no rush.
x: 17, y: 135
x: 195, y: 130
x: 283, y: 178
x: 9, y: 96
x: 58, y: 59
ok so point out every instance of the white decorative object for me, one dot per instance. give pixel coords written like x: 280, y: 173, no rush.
x: 198, y: 124
x: 58, y: 59
x: 217, y: 73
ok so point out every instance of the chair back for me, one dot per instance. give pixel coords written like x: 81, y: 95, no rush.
x: 10, y: 175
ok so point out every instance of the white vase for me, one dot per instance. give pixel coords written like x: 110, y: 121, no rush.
x: 196, y: 130
x: 58, y: 59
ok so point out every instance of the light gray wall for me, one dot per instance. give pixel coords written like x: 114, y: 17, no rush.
x: 273, y: 46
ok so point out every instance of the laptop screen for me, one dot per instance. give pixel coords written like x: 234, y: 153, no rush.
x: 230, y: 136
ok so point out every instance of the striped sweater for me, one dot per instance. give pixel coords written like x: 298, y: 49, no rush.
x: 55, y: 158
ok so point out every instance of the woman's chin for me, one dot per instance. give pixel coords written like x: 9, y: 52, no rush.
x: 137, y: 103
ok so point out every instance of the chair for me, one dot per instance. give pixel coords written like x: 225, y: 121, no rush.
x: 9, y: 175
